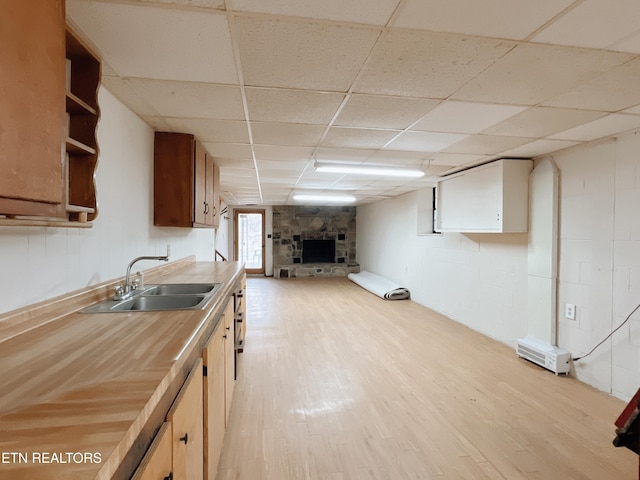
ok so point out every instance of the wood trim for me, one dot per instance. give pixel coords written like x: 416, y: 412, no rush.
x: 236, y: 213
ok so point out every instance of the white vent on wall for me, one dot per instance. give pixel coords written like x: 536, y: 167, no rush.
x: 552, y: 358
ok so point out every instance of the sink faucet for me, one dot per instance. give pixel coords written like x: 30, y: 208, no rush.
x: 125, y: 291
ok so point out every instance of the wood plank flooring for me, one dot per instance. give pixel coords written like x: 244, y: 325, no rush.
x: 335, y: 383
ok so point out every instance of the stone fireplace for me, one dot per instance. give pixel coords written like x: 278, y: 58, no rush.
x: 314, y: 241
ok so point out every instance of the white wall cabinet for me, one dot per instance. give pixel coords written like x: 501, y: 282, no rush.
x: 492, y: 198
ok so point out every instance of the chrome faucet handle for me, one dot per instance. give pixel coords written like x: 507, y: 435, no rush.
x: 118, y: 290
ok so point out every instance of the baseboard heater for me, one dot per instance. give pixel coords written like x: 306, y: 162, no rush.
x: 547, y: 356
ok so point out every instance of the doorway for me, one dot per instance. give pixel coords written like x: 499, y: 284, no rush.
x: 248, y: 240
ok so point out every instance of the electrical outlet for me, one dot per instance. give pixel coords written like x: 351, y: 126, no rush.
x: 570, y: 311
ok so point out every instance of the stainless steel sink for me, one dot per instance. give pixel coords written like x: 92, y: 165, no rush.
x: 171, y: 296
x: 160, y: 302
x: 180, y: 289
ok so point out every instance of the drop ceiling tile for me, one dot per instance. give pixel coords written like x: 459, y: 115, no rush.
x: 629, y: 44
x: 486, y: 144
x: 375, y: 12
x: 539, y: 148
x: 377, y: 111
x: 228, y: 150
x: 424, y: 141
x: 284, y: 153
x: 343, y: 154
x: 292, y: 106
x: 289, y: 134
x: 603, y: 127
x: 633, y: 110
x: 157, y: 123
x: 233, y: 163
x: 515, y: 19
x: 227, y: 131
x: 289, y: 165
x: 216, y: 4
x: 121, y: 89
x: 453, y: 159
x: 163, y: 43
x: 427, y: 64
x: 465, y: 117
x: 277, y: 52
x: 343, y: 137
x: 593, y: 23
x: 614, y: 90
x: 397, y: 157
x: 532, y: 73
x: 542, y: 122
x: 190, y: 99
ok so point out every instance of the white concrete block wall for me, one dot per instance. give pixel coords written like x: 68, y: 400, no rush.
x: 40, y: 263
x: 481, y: 280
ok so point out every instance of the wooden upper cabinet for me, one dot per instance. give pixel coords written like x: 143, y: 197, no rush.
x: 49, y: 82
x: 183, y: 182
x: 32, y: 82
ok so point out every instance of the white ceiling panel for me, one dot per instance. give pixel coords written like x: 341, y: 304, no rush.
x: 150, y: 42
x: 190, y: 99
x: 614, y: 90
x: 121, y: 88
x: 531, y: 74
x: 223, y: 131
x: 538, y: 148
x: 453, y: 159
x: 542, y: 121
x: 603, y: 127
x: 427, y: 64
x: 301, y: 54
x: 375, y: 12
x: 487, y: 144
x: 343, y: 137
x: 515, y: 19
x: 217, y: 4
x: 282, y: 153
x: 424, y: 141
x: 465, y: 117
x: 377, y: 111
x: 274, y: 85
x: 228, y: 150
x: 292, y: 106
x: 286, y: 134
x: 594, y: 24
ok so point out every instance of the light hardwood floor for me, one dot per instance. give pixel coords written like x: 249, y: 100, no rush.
x: 338, y: 384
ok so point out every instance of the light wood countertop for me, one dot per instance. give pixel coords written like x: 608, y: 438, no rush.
x: 81, y: 396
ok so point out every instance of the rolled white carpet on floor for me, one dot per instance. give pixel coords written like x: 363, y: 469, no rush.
x: 379, y: 286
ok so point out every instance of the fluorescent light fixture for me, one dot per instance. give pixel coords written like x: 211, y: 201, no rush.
x: 318, y: 197
x: 360, y: 169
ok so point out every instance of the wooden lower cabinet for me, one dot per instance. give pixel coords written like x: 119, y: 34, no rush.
x: 229, y: 358
x: 185, y: 417
x: 156, y: 464
x: 214, y: 401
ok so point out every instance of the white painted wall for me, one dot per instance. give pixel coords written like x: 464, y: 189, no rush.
x: 40, y: 263
x: 481, y: 280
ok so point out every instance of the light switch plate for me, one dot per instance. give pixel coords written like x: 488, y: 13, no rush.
x: 570, y: 311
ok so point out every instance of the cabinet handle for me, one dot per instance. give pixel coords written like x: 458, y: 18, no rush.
x: 185, y: 439
x: 206, y: 208
x: 228, y: 328
x: 169, y: 477
x: 224, y: 336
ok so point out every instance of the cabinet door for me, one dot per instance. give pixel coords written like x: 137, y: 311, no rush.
x: 229, y: 359
x: 33, y: 107
x: 156, y: 464
x: 214, y: 401
x: 216, y: 195
x: 200, y: 202
x: 186, y: 428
